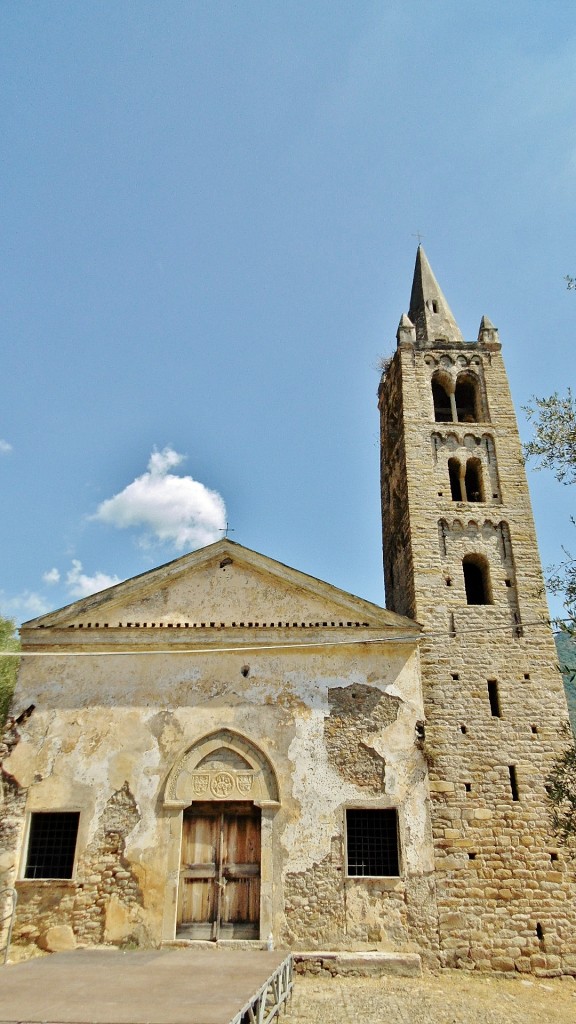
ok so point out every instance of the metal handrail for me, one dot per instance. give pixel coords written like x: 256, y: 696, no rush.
x: 8, y: 897
x: 274, y: 994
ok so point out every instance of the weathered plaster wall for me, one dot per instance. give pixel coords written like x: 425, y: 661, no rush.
x: 336, y: 723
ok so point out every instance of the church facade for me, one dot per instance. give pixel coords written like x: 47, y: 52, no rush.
x: 227, y: 749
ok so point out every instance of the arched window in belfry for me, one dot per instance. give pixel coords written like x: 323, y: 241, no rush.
x: 473, y: 480
x: 442, y: 403
x: 468, y: 400
x: 476, y: 579
x: 455, y: 473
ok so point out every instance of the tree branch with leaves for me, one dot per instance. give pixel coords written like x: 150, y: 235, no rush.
x: 8, y: 666
x: 561, y: 789
x: 554, y: 441
x: 554, y: 446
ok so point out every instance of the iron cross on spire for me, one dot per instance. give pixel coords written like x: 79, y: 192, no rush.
x: 227, y: 529
x: 419, y: 237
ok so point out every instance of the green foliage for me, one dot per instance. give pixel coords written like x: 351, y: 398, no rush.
x: 554, y: 445
x: 554, y: 441
x: 8, y: 666
x: 562, y: 580
x: 566, y: 649
x: 561, y: 789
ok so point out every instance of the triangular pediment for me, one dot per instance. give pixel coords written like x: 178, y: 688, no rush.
x: 223, y: 584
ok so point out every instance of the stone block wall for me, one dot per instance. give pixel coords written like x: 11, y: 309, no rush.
x: 104, y: 896
x: 325, y: 909
x: 493, y: 697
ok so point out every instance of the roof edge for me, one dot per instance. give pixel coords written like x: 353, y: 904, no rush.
x: 260, y: 563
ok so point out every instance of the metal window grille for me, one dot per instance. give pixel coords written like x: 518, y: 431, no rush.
x: 52, y: 844
x: 372, y: 842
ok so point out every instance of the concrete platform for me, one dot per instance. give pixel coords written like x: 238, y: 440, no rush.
x: 166, y: 986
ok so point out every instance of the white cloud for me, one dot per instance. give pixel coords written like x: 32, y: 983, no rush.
x: 81, y: 585
x: 160, y: 462
x: 176, y: 510
x: 27, y: 605
x: 52, y: 576
x: 5, y: 447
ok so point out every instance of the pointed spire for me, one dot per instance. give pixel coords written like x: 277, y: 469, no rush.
x: 486, y: 324
x: 487, y: 333
x: 406, y: 330
x: 429, y: 310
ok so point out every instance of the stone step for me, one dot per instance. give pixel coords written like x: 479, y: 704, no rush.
x: 362, y: 963
x: 373, y: 963
x: 220, y: 944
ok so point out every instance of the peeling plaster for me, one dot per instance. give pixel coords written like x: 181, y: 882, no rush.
x: 106, y: 724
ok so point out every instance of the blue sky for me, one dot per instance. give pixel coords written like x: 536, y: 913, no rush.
x: 208, y: 227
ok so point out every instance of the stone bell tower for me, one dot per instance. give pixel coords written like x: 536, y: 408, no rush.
x: 460, y: 556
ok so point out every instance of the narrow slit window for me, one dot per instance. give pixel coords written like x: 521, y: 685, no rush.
x: 455, y: 482
x: 52, y: 844
x: 513, y: 782
x: 372, y: 842
x: 494, y: 698
x: 473, y: 480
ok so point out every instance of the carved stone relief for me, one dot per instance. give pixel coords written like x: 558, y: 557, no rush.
x: 221, y: 766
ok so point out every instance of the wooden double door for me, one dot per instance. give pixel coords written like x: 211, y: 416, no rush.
x: 219, y: 892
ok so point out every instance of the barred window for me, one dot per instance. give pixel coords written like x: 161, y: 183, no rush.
x: 52, y: 844
x: 372, y: 842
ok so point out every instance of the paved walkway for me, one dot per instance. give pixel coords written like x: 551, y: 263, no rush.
x: 184, y: 986
x: 452, y: 997
x: 177, y: 986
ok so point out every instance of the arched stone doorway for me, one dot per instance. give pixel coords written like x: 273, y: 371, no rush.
x: 224, y: 792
